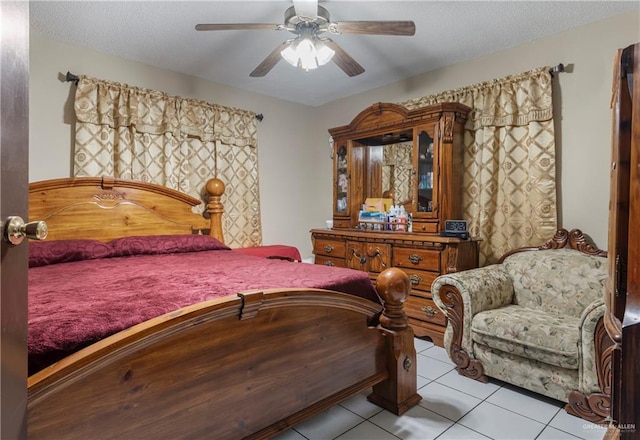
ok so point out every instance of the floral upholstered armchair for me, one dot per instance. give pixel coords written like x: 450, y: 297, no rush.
x: 535, y: 320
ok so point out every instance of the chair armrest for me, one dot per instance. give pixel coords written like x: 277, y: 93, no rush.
x: 460, y: 296
x: 594, y: 342
x: 484, y: 288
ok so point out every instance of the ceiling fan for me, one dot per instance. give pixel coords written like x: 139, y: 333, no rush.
x: 309, y: 49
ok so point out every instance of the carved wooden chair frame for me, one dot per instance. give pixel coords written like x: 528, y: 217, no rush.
x: 595, y: 407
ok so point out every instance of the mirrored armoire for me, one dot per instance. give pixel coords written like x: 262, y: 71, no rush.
x: 408, y: 162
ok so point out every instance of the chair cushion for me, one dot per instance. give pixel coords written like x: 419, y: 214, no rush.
x: 561, y: 281
x: 530, y: 333
x: 539, y: 377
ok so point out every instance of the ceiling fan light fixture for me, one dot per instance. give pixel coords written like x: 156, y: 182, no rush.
x: 323, y: 53
x: 307, y: 53
x: 307, y: 20
x: 289, y: 53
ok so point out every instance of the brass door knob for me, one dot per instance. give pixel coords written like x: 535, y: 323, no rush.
x: 15, y: 230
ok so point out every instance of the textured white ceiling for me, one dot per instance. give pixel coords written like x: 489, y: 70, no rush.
x: 162, y: 34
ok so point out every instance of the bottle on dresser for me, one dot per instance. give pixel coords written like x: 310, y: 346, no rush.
x: 402, y: 219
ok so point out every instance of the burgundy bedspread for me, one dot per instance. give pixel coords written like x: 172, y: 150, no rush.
x: 76, y: 303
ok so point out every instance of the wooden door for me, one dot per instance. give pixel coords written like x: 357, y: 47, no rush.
x: 629, y: 422
x: 14, y: 136
x: 623, y: 284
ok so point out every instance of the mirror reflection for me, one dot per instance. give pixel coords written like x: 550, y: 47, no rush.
x: 389, y: 164
x: 396, y: 171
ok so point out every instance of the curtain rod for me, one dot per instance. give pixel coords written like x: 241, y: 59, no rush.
x: 72, y: 77
x: 556, y: 69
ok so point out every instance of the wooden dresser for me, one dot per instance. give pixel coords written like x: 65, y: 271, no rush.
x: 413, y: 158
x: 422, y: 256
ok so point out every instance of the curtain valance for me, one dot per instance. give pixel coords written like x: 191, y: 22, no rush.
x: 515, y: 100
x: 148, y: 111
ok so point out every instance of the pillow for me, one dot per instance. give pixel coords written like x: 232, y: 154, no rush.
x: 42, y: 253
x: 164, y: 244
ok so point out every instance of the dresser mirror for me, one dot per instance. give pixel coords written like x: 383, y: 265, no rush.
x: 389, y: 165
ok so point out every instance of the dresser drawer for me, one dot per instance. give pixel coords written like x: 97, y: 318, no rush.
x: 424, y: 309
x: 329, y: 261
x: 370, y: 257
x: 378, y: 257
x: 330, y: 248
x: 426, y: 227
x: 421, y: 259
x: 341, y: 224
x: 421, y: 280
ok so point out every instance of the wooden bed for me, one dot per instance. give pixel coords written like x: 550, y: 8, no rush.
x: 191, y: 373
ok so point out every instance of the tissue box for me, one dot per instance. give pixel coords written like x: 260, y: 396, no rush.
x: 377, y: 204
x: 371, y: 216
x: 371, y: 221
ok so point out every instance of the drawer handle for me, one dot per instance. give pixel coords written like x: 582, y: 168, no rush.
x: 429, y: 311
x: 415, y: 279
x: 378, y: 254
x: 415, y: 259
x: 329, y: 263
x: 328, y: 248
x: 361, y: 260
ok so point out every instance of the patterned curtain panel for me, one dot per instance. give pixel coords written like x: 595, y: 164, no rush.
x: 140, y: 134
x: 509, y: 160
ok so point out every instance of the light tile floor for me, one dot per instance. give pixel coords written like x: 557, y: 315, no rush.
x: 452, y: 407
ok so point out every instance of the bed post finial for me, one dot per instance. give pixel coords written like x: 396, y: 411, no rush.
x: 399, y: 392
x: 393, y: 286
x: 215, y: 208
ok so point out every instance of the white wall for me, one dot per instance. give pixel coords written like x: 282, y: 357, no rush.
x: 295, y: 169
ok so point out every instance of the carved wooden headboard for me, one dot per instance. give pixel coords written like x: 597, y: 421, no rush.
x: 104, y: 208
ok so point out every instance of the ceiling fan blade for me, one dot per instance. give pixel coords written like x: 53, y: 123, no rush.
x: 406, y: 28
x: 237, y: 26
x: 270, y: 61
x: 306, y: 8
x: 343, y: 60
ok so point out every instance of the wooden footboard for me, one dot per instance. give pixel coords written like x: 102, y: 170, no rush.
x: 246, y: 366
